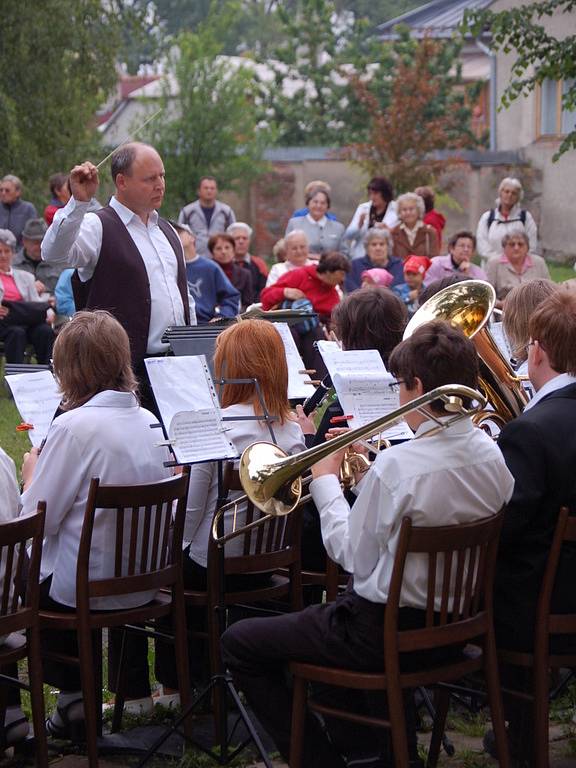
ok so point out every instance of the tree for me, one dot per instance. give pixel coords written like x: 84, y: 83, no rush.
x: 540, y: 56
x: 57, y: 60
x: 210, y: 125
x: 413, y: 108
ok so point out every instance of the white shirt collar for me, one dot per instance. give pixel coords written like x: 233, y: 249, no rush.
x: 111, y: 398
x: 558, y: 382
x: 320, y: 223
x: 126, y: 215
x: 459, y: 427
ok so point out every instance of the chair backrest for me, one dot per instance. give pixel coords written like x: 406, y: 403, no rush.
x: 460, y: 577
x: 256, y: 542
x: 145, y: 525
x: 547, y: 623
x: 19, y: 575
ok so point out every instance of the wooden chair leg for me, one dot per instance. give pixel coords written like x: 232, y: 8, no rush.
x: 37, y: 698
x: 541, y: 709
x: 495, y: 700
x: 120, y: 685
x: 398, y: 726
x: 87, y: 676
x: 181, y: 651
x: 441, y: 706
x: 298, y: 721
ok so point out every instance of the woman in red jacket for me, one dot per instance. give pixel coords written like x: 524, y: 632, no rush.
x: 316, y: 283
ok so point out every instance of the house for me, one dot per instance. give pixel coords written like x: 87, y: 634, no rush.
x: 524, y: 137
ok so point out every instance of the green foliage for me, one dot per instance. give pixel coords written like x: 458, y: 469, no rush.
x: 539, y: 55
x: 57, y: 60
x: 214, y: 128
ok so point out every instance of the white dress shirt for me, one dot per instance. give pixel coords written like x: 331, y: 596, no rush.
x: 279, y: 269
x: 203, y: 493
x: 455, y: 476
x: 75, y: 237
x: 558, y: 382
x: 108, y: 437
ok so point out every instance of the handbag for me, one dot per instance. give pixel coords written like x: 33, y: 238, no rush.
x: 27, y: 313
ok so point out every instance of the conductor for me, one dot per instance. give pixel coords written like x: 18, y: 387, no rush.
x: 128, y: 259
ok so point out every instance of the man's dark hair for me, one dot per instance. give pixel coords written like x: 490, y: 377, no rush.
x: 438, y: 285
x: 207, y: 178
x: 332, y: 262
x: 437, y: 354
x: 370, y: 318
x: 382, y: 185
x: 462, y: 234
x: 122, y: 159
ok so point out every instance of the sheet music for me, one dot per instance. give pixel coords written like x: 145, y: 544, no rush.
x: 37, y: 396
x: 362, y: 385
x: 497, y: 331
x: 189, y: 408
x: 297, y: 386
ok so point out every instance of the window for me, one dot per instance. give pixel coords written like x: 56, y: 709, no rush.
x: 554, y: 120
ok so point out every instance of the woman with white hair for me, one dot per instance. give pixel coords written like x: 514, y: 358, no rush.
x: 508, y: 216
x: 411, y: 237
x: 241, y: 233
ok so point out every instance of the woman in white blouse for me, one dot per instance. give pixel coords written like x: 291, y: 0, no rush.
x: 103, y: 433
x: 248, y: 350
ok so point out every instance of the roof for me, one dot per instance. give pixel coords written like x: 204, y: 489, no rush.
x: 438, y: 18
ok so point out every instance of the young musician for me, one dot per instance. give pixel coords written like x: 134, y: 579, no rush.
x: 103, y: 433
x: 456, y: 475
x: 540, y: 450
x: 247, y: 350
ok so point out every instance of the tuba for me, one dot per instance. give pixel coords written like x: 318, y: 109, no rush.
x: 468, y: 306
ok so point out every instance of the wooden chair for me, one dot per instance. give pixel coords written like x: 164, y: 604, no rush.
x: 263, y: 545
x: 547, y: 625
x: 461, y: 560
x: 19, y: 615
x: 147, y: 548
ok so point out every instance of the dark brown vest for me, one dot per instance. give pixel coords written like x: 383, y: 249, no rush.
x: 120, y: 281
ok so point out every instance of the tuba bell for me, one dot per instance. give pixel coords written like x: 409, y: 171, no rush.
x: 468, y: 306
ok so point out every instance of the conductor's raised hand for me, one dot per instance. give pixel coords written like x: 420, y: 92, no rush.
x: 84, y: 181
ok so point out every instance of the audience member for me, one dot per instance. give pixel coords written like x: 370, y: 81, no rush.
x: 213, y: 294
x: 60, y: 194
x: 96, y: 436
x: 296, y: 255
x: 432, y: 217
x: 14, y: 212
x: 519, y: 306
x: 412, y: 236
x: 316, y: 184
x: 241, y: 233
x: 279, y: 251
x: 221, y: 247
x: 456, y: 475
x: 323, y: 234
x: 379, y: 213
x: 515, y: 265
x: 207, y: 215
x: 539, y: 448
x: 461, y: 248
x: 415, y: 268
x: 378, y: 247
x: 29, y: 258
x: 64, y: 296
x: 506, y: 218
x: 23, y: 314
x: 376, y: 277
x: 247, y: 350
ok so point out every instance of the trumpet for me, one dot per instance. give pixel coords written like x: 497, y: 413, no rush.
x: 272, y: 479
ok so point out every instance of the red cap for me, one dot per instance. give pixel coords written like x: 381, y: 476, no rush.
x: 418, y: 264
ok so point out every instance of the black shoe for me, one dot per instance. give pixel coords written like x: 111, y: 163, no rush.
x: 72, y: 730
x: 489, y: 744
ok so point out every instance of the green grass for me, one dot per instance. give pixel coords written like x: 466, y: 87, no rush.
x: 14, y: 443
x: 561, y: 272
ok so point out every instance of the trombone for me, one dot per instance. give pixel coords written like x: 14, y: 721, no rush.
x: 272, y: 479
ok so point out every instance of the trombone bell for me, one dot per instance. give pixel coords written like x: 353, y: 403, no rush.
x: 266, y: 481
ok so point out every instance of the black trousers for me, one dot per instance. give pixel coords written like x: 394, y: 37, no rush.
x: 17, y: 337
x: 347, y: 633
x: 66, y: 677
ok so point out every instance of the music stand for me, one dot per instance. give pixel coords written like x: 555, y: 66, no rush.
x: 223, y: 679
